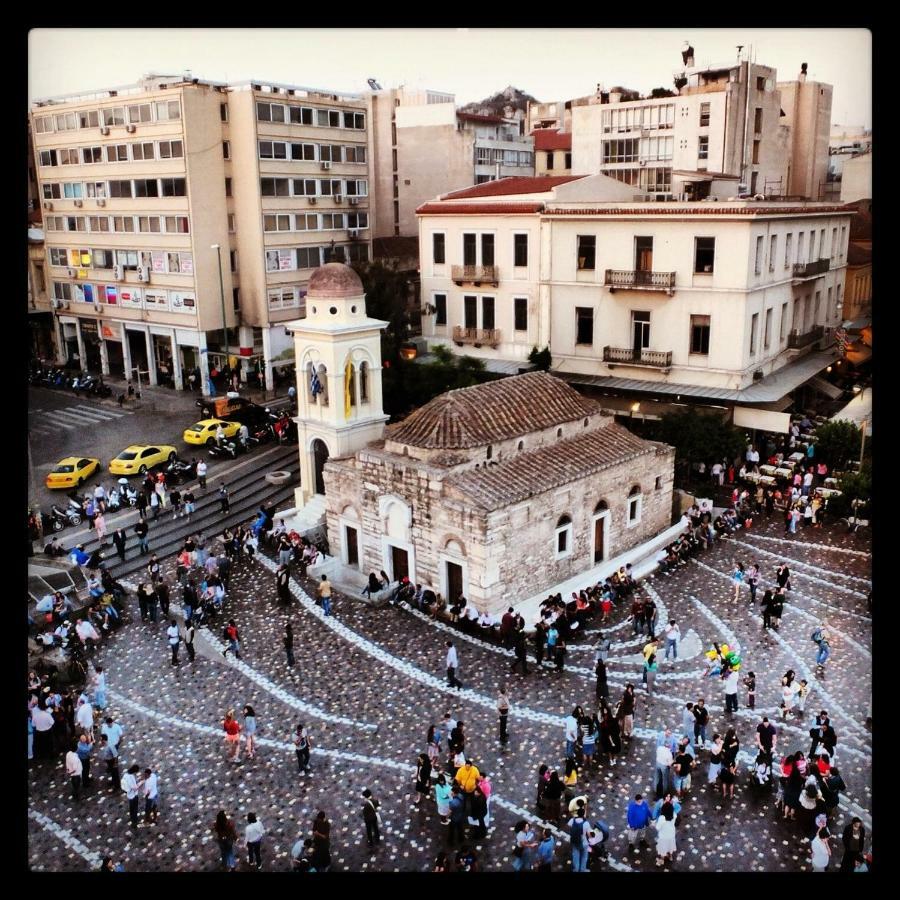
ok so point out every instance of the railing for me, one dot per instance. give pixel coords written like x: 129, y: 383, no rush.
x: 476, y: 336
x: 661, y: 359
x: 810, y: 269
x: 636, y: 279
x: 475, y: 274
x: 797, y: 341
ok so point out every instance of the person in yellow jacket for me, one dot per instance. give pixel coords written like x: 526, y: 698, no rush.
x: 467, y: 778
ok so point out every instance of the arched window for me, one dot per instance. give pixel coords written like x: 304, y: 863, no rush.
x: 309, y: 372
x: 323, y: 381
x: 363, y: 382
x: 635, y: 504
x: 352, y: 385
x: 563, y: 537
x: 521, y: 445
x: 601, y: 507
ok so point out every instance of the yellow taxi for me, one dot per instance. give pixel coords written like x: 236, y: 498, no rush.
x: 138, y: 458
x: 204, y: 432
x: 72, y: 471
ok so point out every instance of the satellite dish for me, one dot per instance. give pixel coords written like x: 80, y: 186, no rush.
x: 374, y: 85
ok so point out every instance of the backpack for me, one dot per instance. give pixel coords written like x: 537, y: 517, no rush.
x: 816, y: 636
x: 576, y: 832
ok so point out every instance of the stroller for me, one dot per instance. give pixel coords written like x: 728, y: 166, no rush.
x: 761, y: 776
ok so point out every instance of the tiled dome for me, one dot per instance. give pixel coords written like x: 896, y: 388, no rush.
x: 333, y: 281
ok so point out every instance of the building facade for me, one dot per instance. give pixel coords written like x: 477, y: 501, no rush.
x: 552, y: 152
x: 714, y: 296
x: 178, y: 211
x: 498, y: 491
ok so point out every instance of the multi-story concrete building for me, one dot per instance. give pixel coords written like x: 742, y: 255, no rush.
x: 424, y: 146
x: 157, y: 242
x: 716, y: 300
x: 731, y: 129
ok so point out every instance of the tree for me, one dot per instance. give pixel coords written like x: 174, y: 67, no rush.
x: 854, y: 486
x: 698, y: 437
x: 540, y: 359
x: 387, y: 294
x: 837, y: 442
x: 661, y: 92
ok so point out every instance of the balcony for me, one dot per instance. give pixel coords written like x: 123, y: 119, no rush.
x: 636, y: 280
x: 476, y: 336
x: 475, y: 275
x: 811, y: 269
x: 797, y: 341
x: 656, y: 359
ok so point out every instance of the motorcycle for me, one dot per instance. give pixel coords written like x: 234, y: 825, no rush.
x: 99, y: 389
x: 68, y: 516
x: 178, y: 471
x: 228, y: 449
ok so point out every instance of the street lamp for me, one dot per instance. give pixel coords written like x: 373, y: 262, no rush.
x: 218, y: 250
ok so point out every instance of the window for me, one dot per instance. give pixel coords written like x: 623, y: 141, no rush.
x: 127, y: 259
x: 93, y: 154
x: 704, y: 114
x: 635, y: 502
x: 356, y: 188
x: 280, y: 260
x: 226, y: 149
x: 269, y: 187
x: 120, y: 189
x: 757, y: 265
x: 800, y: 244
x: 102, y: 259
x: 173, y: 187
x: 757, y: 120
x: 117, y: 152
x: 700, y: 335
x: 520, y: 250
x: 62, y: 290
x: 773, y: 251
x: 332, y: 221
x: 146, y: 187
x: 767, y: 329
x: 520, y: 313
x: 301, y: 115
x: 58, y: 256
x: 584, y: 325
x: 303, y: 151
x: 703, y: 146
x: 276, y: 223
x: 48, y: 158
x: 98, y: 223
x: 469, y: 249
x: 549, y: 159
x: 52, y: 191
x: 754, y: 328
x: 487, y: 312
x: 470, y: 312
x: 622, y: 151
x: 228, y: 187
x: 355, y: 154
x: 142, y: 151
x: 487, y: 249
x: 176, y: 224
x: 139, y: 113
x: 563, y: 537
x: 843, y: 239
x: 112, y: 115
x: 223, y: 112
x: 263, y: 112
x: 357, y: 220
x: 304, y: 187
x: 704, y: 254
x: 309, y: 257
x: 167, y: 109
x: 272, y: 150
x: 90, y: 118
x: 171, y: 150
x: 587, y: 250
x: 306, y: 222
x: 760, y: 84
x: 754, y: 159
x: 829, y: 310
x: 233, y: 260
x: 231, y: 223
x: 788, y: 241
x: 149, y: 225
x: 440, y: 304
x: 354, y: 120
x: 44, y: 124
x: 123, y: 223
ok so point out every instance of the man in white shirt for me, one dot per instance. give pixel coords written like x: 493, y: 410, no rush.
x: 113, y: 731
x: 571, y: 726
x: 452, y: 666
x: 42, y: 720
x: 84, y: 717
x: 201, y: 474
x: 174, y: 640
x: 253, y: 838
x: 731, y: 689
x: 150, y: 790
x: 74, y: 770
x: 131, y: 786
x: 664, y: 760
x: 673, y: 636
x: 718, y: 473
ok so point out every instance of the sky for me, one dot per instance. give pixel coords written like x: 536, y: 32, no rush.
x: 548, y: 63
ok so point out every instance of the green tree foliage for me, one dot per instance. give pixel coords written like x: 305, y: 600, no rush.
x: 854, y: 486
x: 699, y: 437
x: 837, y: 442
x: 540, y: 359
x: 387, y: 294
x: 661, y: 92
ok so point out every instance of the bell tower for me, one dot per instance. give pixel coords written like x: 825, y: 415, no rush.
x: 338, y: 352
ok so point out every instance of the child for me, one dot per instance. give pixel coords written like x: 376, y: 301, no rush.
x: 606, y: 607
x: 787, y: 699
x: 802, y: 692
x: 750, y: 684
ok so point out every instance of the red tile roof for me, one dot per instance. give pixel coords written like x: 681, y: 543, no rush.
x: 512, y: 185
x: 552, y: 139
x: 480, y: 209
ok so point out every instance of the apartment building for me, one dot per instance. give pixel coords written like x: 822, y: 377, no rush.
x: 183, y: 218
x: 729, y: 130
x: 552, y: 152
x: 425, y: 146
x: 733, y: 301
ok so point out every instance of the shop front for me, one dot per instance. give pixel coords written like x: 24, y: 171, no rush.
x: 111, y: 334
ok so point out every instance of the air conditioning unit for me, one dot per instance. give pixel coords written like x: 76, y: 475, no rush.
x: 312, y: 201
x: 70, y: 272
x: 131, y: 129
x: 143, y: 273
x: 104, y: 130
x: 117, y: 272
x: 353, y: 232
x: 98, y: 308
x: 48, y: 204
x: 326, y: 166
x: 338, y: 198
x: 353, y: 201
x: 101, y: 201
x: 79, y: 203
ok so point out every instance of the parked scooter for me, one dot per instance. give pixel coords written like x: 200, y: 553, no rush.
x: 68, y: 516
x: 226, y: 450
x: 179, y: 471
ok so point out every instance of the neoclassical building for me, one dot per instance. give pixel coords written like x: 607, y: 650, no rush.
x: 495, y: 491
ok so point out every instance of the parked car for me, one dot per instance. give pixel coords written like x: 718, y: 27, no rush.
x: 204, y: 432
x: 138, y: 458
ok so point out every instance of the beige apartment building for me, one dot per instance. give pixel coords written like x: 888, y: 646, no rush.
x: 176, y: 209
x: 724, y: 300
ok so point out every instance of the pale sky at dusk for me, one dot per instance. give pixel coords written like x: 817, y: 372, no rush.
x: 550, y: 64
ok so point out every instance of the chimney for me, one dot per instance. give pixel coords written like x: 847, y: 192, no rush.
x: 802, y: 76
x: 687, y: 56
x: 615, y: 96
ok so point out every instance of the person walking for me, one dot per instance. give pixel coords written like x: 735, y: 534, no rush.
x: 201, y: 474
x: 189, y: 635
x: 232, y: 730
x: 854, y: 841
x: 577, y: 828
x: 162, y: 595
x: 174, y: 640
x: 224, y: 502
x: 323, y: 592
x: 141, y: 530
x: 625, y: 711
x: 250, y: 730
x: 820, y: 850
x: 321, y: 836
x: 663, y: 777
x: 715, y: 758
x: 189, y: 503
x: 443, y: 792
x: 701, y: 720
x: 84, y: 748
x: 100, y: 528
x: 283, y: 583
x: 638, y: 818
x: 673, y: 636
x: 650, y: 669
x: 131, y: 786
x: 457, y: 816
x: 253, y: 836
x: 120, y: 539
x: 503, y: 713
x: 731, y: 691
x: 737, y: 579
x: 288, y: 641
x: 371, y: 818
x: 302, y: 747
x: 665, y: 835
x: 110, y: 755
x: 452, y: 663
x: 226, y: 837
x: 233, y: 638
x: 422, y: 777
x: 753, y: 580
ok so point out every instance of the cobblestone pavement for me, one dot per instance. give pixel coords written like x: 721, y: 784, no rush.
x: 384, y: 668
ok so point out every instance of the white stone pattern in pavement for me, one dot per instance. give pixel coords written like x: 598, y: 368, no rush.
x: 66, y: 837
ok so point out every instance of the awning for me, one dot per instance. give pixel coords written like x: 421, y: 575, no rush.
x: 825, y: 387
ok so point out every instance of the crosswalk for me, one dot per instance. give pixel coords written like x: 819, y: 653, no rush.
x: 81, y: 415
